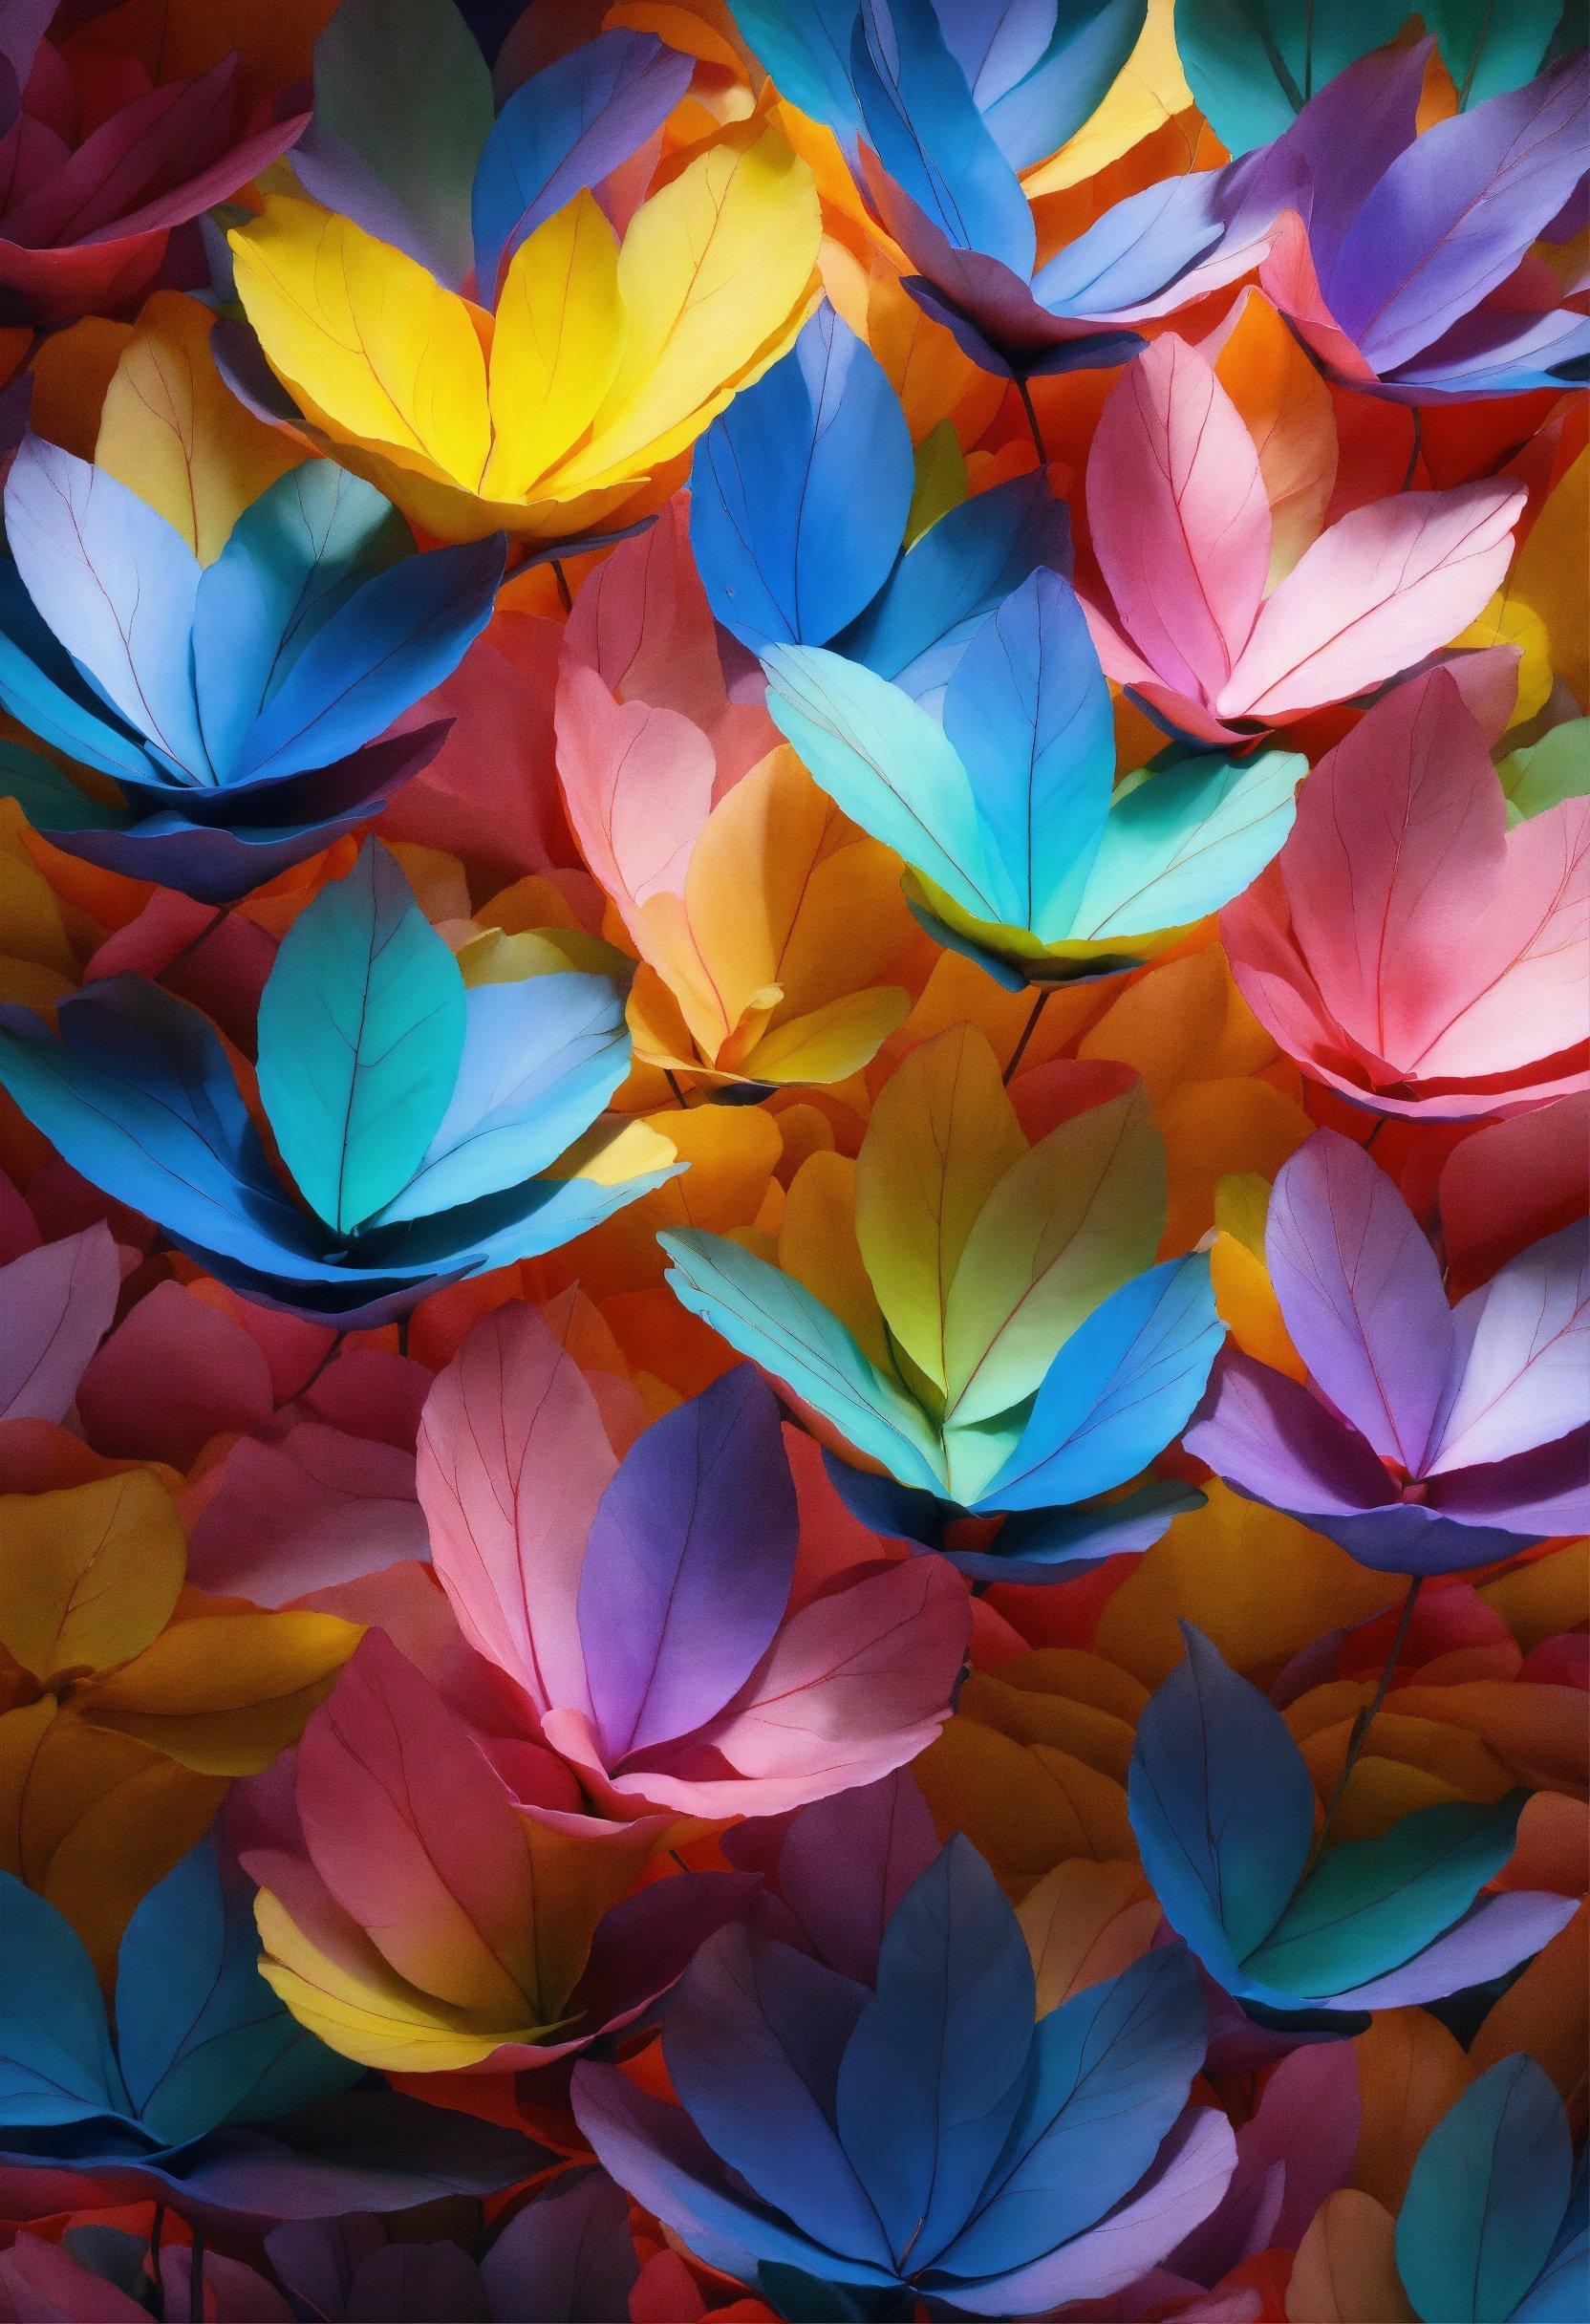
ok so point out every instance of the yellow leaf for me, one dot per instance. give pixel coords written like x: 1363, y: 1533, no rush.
x: 375, y: 2017
x: 225, y: 1693
x: 1077, y: 1216
x: 942, y: 1136
x: 1549, y: 578
x: 88, y: 1575
x: 1507, y: 621
x: 174, y: 433
x: 555, y: 346
x: 1085, y: 1921
x: 365, y: 339
x: 1149, y: 91
x: 829, y: 1043
x: 713, y: 274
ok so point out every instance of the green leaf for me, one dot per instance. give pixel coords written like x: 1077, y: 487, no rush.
x: 1490, y: 45
x: 1547, y: 772
x: 360, y: 1034
x: 1253, y: 64
x: 50, y: 799
x: 942, y: 482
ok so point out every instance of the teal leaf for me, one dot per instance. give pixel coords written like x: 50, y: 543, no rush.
x: 1490, y: 45
x: 1181, y: 842
x: 1486, y: 2198
x: 361, y: 1031
x: 1253, y: 64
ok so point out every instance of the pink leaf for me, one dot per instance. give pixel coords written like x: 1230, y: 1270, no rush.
x: 55, y: 1306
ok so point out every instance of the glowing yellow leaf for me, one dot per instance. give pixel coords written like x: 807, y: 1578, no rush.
x: 556, y: 347
x: 224, y: 1693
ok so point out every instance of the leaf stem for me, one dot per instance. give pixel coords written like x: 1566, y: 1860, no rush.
x: 157, y: 2288
x: 1024, y: 391
x: 1027, y: 1031
x: 1366, y: 1717
x: 195, y: 2278
x: 680, y: 1096
x: 561, y: 580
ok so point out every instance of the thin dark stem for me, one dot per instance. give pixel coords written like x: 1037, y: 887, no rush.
x: 195, y: 2278
x: 194, y: 941
x: 1375, y: 1132
x: 561, y: 580
x: 402, y: 1335
x: 1024, y: 390
x: 1366, y: 1717
x: 332, y: 1347
x: 157, y: 2294
x: 1418, y: 447
x: 1027, y: 1031
x: 679, y: 1095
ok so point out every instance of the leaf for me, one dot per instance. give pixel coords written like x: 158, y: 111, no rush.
x: 779, y: 1324
x: 942, y: 1135
x: 564, y: 130
x: 935, y: 2069
x: 117, y: 587
x: 56, y: 2063
x: 1185, y: 840
x: 1487, y: 2197
x: 93, y: 1572
x: 224, y: 1693
x: 397, y: 636
x: 1180, y: 517
x: 1028, y: 714
x: 804, y: 47
x: 556, y: 346
x: 1543, y: 774
x: 921, y: 121
x: 1345, y: 2272
x: 293, y: 560
x: 365, y: 338
x: 1077, y: 1214
x: 1362, y: 1295
x: 1386, y: 586
x: 362, y: 1029
x: 1488, y: 49
x: 689, y: 1567
x: 56, y: 1304
x: 409, y: 91
x: 1523, y: 1335
x: 1253, y: 64
x: 1112, y: 2068
x: 203, y: 2040
x: 540, y: 1060
x: 887, y: 765
x: 713, y: 275
x: 1369, y: 1906
x: 1222, y: 1807
x: 1123, y: 1385
x: 801, y: 490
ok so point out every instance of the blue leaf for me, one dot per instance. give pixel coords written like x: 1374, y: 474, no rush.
x: 565, y: 129
x: 919, y: 117
x: 56, y: 2064
x: 1113, y: 2066
x: 1222, y: 1806
x: 775, y: 1320
x: 43, y: 689
x: 540, y: 1060
x: 362, y: 1029
x: 953, y: 578
x: 804, y: 47
x: 1053, y: 1544
x: 1122, y: 1387
x: 1029, y: 713
x: 1032, y: 113
x: 137, y: 1094
x: 203, y: 2040
x: 397, y: 637
x: 1561, y: 2291
x: 888, y: 764
x: 293, y: 558
x: 1486, y: 2198
x: 935, y: 2070
x: 1371, y: 1904
x: 117, y: 585
x: 801, y: 490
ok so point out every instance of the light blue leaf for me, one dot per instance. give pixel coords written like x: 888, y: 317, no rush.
x: 1113, y: 2066
x: 952, y: 579
x: 565, y: 129
x: 293, y: 557
x: 362, y: 1029
x: 1032, y: 113
x: 1122, y: 1387
x: 936, y: 2067
x: 1180, y: 843
x: 1486, y: 2198
x: 117, y: 585
x: 1371, y: 1904
x: 919, y: 117
x: 1222, y: 1805
x: 204, y: 2039
x: 541, y: 1059
x: 56, y: 2064
x: 399, y: 635
x: 775, y: 1320
x: 1028, y: 713
x: 801, y: 490
x: 886, y: 764
x: 408, y: 91
x: 44, y: 690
